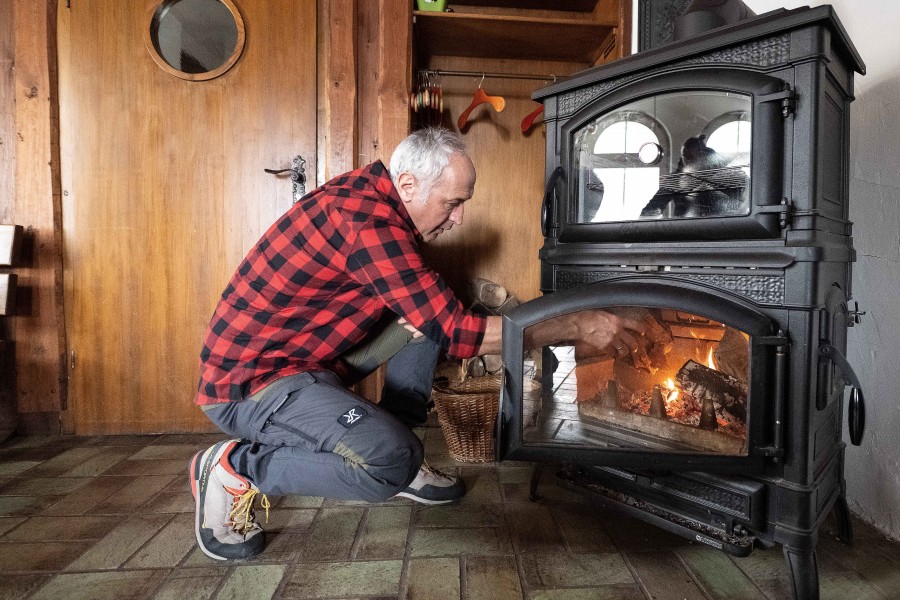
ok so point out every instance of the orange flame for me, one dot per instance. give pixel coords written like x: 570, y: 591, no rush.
x: 709, y: 360
x: 671, y: 392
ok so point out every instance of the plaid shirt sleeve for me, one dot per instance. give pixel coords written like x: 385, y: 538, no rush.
x: 386, y: 260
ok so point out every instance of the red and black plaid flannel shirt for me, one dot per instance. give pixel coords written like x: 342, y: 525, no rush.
x: 319, y: 279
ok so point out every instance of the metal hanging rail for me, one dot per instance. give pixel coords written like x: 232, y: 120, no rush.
x: 485, y: 74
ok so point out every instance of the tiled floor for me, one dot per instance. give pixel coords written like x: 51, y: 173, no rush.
x: 111, y: 517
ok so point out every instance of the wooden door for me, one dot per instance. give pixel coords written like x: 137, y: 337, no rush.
x: 163, y: 194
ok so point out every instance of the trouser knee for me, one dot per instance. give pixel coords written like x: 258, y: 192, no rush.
x: 392, y: 472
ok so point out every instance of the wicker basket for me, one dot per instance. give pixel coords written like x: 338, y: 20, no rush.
x: 467, y: 412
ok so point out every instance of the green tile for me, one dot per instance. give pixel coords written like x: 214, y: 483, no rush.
x: 611, y: 592
x: 460, y: 515
x: 482, y: 487
x: 576, y: 570
x: 533, y: 529
x: 114, y: 585
x: 582, y: 530
x: 44, y: 486
x: 17, y: 467
x: 343, y: 579
x: 300, y: 502
x: 430, y: 578
x: 168, y: 547
x: 182, y: 452
x: 847, y: 584
x: 492, y: 578
x: 62, y: 529
x: 190, y: 584
x: 457, y: 542
x: 86, y: 498
x: 662, y: 574
x: 120, y: 543
x: 65, y: 461
x: 14, y: 586
x: 96, y: 465
x: 7, y: 523
x: 139, y: 490
x: 333, y: 534
x: 149, y: 467
x: 718, y: 575
x: 44, y: 556
x: 259, y: 581
x: 14, y: 506
x: 286, y: 532
x: 384, y: 533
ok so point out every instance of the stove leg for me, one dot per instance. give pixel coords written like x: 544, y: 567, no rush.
x: 536, y: 472
x: 803, y: 572
x: 842, y: 519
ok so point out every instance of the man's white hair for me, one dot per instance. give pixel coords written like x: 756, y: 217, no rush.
x: 424, y: 154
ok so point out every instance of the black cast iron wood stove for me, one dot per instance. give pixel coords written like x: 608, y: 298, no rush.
x: 701, y: 188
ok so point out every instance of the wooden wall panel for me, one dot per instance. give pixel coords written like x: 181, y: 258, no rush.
x: 338, y: 141
x: 39, y: 326
x: 500, y: 236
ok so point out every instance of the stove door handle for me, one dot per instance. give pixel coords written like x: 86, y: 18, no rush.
x: 548, y: 207
x: 856, y: 407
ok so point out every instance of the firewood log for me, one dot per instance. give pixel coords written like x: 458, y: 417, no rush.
x: 733, y: 354
x: 488, y: 293
x: 728, y: 393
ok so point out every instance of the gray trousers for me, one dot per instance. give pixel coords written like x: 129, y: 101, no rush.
x: 309, y: 435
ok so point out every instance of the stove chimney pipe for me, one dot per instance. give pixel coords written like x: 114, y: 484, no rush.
x: 702, y: 15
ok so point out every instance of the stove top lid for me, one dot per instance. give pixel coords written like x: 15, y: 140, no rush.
x: 764, y: 25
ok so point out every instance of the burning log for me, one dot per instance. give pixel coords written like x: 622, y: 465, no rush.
x: 728, y: 394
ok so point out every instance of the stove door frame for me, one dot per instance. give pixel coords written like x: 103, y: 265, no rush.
x: 768, y: 360
x: 766, y: 162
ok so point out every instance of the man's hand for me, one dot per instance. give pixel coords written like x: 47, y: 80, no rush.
x: 609, y: 333
x: 416, y: 333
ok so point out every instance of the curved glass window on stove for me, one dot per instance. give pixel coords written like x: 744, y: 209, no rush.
x: 683, y: 388
x: 671, y: 156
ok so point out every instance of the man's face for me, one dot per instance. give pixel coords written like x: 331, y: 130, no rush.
x: 445, y: 204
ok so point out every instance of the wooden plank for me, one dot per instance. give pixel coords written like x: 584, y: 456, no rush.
x: 511, y: 37
x: 7, y: 114
x: 10, y: 244
x: 7, y: 294
x: 337, y: 110
x: 39, y: 334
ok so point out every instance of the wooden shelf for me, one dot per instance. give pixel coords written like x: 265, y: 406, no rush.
x: 503, y: 36
x: 566, y: 5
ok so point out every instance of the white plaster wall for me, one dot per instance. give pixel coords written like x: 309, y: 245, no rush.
x: 873, y: 469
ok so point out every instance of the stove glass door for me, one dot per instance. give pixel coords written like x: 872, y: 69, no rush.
x: 682, y: 386
x: 675, y: 155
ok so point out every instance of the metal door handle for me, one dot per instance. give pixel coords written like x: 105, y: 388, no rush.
x: 298, y: 176
x: 856, y: 407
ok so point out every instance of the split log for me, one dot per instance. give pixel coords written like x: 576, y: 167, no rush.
x: 733, y: 354
x: 488, y: 293
x: 492, y: 363
x: 728, y: 394
x: 649, y: 355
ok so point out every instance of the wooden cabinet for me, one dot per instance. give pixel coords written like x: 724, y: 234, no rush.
x: 500, y: 236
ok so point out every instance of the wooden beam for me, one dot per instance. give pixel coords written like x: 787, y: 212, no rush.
x: 338, y: 139
x: 39, y: 328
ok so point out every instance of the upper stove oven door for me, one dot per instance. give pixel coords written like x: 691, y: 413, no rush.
x: 696, y: 154
x: 701, y: 389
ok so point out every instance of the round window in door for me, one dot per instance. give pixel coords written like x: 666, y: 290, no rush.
x: 195, y: 40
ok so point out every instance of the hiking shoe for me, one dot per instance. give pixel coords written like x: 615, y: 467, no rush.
x: 224, y: 522
x: 433, y: 487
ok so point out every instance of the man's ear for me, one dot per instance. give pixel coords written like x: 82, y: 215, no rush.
x: 407, y: 187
